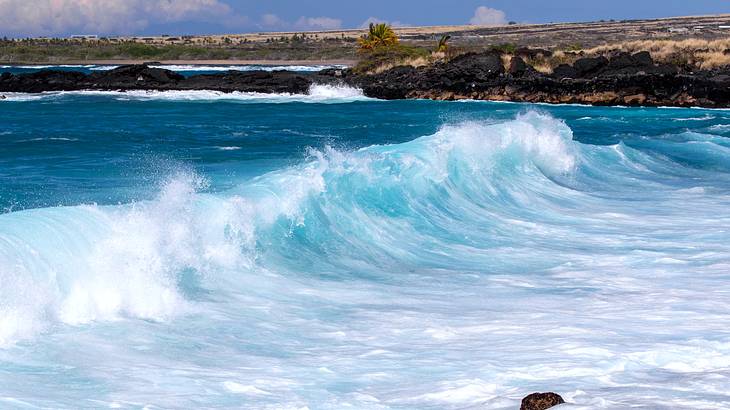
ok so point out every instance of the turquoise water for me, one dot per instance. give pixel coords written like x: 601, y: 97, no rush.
x: 328, y: 251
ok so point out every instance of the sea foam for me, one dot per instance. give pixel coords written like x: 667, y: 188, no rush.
x: 318, y: 93
x: 90, y: 263
x: 467, y: 268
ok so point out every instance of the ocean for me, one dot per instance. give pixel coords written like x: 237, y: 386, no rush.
x: 330, y: 251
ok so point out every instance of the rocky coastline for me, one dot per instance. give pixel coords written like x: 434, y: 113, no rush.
x: 622, y: 79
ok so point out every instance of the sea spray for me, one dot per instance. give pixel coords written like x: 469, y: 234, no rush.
x: 99, y: 263
x: 496, y: 255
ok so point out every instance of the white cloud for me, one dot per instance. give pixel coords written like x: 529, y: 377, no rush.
x: 274, y: 22
x: 318, y: 23
x: 485, y: 16
x: 58, y: 17
x: 375, y: 20
x: 271, y: 21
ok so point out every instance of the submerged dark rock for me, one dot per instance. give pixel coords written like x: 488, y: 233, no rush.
x: 541, y: 401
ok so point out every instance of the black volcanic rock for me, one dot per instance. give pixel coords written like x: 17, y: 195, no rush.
x: 395, y: 83
x: 565, y: 71
x: 541, y: 401
x: 142, y: 77
x: 625, y: 63
x: 133, y: 76
x: 518, y: 67
x: 636, y: 64
x: 46, y: 80
x: 624, y: 79
x: 482, y: 65
x: 589, y: 65
x: 526, y: 52
x: 254, y: 81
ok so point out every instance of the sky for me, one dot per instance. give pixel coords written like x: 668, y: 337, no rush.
x: 31, y: 18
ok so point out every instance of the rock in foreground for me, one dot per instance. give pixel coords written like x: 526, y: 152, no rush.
x: 541, y: 401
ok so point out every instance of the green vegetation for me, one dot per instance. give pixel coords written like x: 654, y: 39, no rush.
x: 505, y: 48
x: 380, y: 49
x: 378, y: 36
x: 443, y: 44
x: 58, y: 51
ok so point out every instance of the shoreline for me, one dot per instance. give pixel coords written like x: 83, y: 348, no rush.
x: 188, y: 62
x: 624, y: 79
x: 465, y: 100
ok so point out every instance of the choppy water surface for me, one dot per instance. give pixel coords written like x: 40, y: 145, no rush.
x: 327, y: 251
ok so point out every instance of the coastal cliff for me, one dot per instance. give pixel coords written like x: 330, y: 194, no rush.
x: 622, y: 79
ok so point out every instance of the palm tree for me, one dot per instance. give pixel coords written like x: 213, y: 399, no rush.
x: 379, y: 35
x: 443, y: 45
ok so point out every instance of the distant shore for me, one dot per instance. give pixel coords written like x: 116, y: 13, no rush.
x: 193, y: 62
x: 340, y: 46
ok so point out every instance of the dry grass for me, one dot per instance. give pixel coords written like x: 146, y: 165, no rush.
x: 689, y: 53
x: 705, y: 54
x: 546, y: 64
x: 714, y: 59
x: 413, y: 62
x: 506, y: 61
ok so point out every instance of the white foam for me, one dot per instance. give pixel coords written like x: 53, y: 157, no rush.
x: 462, y: 392
x: 103, y: 263
x: 453, y: 267
x: 21, y: 97
x: 39, y: 139
x: 535, y: 137
x: 244, y: 389
x: 317, y: 94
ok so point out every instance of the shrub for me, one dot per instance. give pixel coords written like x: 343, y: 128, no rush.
x: 505, y: 48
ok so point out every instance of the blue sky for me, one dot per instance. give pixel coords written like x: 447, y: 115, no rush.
x: 109, y: 17
x: 422, y: 12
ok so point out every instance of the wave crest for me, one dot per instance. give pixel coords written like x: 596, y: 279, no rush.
x: 144, y: 260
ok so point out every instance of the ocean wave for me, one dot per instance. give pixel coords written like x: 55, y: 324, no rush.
x: 318, y: 93
x: 473, y: 188
x: 83, y: 264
